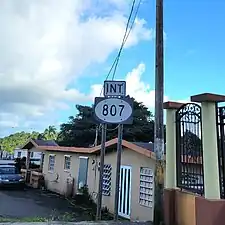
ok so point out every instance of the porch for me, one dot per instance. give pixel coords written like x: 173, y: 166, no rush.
x: 34, y: 173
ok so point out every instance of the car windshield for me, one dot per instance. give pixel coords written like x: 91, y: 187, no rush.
x: 8, y: 170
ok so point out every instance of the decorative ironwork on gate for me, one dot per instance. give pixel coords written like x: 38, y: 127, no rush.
x: 189, y: 157
x: 221, y: 147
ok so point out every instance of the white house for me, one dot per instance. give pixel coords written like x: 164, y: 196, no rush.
x: 20, y: 153
x: 5, y: 155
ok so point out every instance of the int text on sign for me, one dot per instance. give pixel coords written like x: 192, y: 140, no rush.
x: 114, y: 88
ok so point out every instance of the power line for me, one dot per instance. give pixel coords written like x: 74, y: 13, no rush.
x: 125, y: 37
x: 116, y: 60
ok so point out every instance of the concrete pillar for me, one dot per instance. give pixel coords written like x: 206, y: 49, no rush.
x: 209, y: 142
x: 170, y: 181
x: 170, y: 178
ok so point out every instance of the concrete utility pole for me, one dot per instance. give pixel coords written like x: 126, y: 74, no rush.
x: 159, y: 126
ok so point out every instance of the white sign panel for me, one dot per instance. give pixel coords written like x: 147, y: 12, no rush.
x: 114, y: 88
x: 114, y: 110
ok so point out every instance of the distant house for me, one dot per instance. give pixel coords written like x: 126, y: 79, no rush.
x: 20, y: 153
x: 5, y: 155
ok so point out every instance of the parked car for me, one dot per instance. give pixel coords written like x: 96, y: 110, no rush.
x: 10, y: 176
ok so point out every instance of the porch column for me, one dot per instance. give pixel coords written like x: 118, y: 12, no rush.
x: 170, y: 177
x: 171, y: 108
x: 28, y: 160
x: 209, y: 142
x: 42, y: 161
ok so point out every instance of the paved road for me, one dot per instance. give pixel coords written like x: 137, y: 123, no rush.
x: 35, y: 203
x: 31, y: 203
x: 83, y: 223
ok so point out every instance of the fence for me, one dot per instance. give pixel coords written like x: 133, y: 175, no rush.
x: 221, y: 148
x: 189, y: 156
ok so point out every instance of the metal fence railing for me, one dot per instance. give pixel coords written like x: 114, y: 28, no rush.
x: 189, y: 156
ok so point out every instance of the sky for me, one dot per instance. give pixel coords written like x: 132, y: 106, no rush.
x: 55, y: 54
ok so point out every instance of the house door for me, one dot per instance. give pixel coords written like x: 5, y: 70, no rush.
x: 125, y: 192
x: 83, y: 172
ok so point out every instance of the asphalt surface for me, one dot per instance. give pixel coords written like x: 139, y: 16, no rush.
x: 32, y: 203
x: 81, y: 223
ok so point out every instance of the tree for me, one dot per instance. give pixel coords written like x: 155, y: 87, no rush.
x: 16, y: 140
x: 192, y: 144
x: 81, y: 129
x: 50, y: 133
x: 13, y: 141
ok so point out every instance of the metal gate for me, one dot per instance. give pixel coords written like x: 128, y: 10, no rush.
x: 189, y: 157
x: 125, y: 192
x: 221, y: 147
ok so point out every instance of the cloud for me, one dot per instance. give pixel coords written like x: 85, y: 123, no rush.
x: 46, y: 45
x: 136, y: 87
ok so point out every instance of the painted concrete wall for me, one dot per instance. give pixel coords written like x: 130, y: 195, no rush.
x: 185, y: 208
x: 129, y: 158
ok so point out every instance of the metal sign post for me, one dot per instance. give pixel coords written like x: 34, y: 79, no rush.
x: 114, y: 108
x: 102, y: 156
x: 117, y: 191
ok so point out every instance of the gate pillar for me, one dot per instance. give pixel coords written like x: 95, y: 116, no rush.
x: 170, y: 177
x: 209, y: 142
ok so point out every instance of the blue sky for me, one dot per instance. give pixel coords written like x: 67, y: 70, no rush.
x: 58, y: 53
x: 193, y: 49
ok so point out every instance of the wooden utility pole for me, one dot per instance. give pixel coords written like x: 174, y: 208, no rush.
x: 159, y: 126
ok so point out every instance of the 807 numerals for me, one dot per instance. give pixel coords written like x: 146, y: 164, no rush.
x: 112, y: 110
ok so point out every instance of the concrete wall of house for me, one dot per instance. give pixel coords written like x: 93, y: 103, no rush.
x: 60, y: 185
x: 129, y: 158
x: 136, y: 161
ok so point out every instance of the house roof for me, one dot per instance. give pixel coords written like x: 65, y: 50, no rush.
x: 149, y: 146
x: 132, y: 146
x: 45, y: 142
x: 36, y: 143
x: 146, y: 149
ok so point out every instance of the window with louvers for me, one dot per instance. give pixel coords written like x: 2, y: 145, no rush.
x: 106, y: 187
x: 146, y: 187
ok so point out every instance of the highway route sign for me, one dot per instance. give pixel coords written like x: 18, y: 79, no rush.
x: 113, y: 110
x: 114, y: 88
